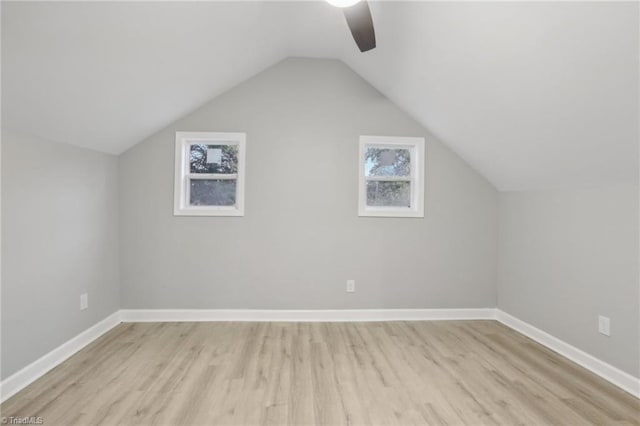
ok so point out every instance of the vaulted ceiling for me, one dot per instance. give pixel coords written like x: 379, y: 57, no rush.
x: 533, y: 95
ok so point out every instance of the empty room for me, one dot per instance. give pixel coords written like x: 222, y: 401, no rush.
x: 324, y: 212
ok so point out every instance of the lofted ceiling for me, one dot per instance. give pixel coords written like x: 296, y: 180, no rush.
x: 533, y: 95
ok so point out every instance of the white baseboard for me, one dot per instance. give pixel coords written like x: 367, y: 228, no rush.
x: 38, y: 368
x: 337, y: 315
x: 22, y: 378
x: 608, y: 372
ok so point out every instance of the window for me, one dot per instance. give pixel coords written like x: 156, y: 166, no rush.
x: 209, y: 171
x: 391, y: 174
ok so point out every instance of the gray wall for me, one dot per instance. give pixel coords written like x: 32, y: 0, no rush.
x: 59, y: 239
x: 567, y: 257
x: 301, y: 238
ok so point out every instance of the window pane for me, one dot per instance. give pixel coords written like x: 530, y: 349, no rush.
x: 387, y: 162
x: 213, y: 192
x: 221, y: 159
x: 389, y: 194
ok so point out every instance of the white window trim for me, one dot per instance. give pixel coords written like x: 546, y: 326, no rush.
x: 184, y: 140
x: 416, y: 146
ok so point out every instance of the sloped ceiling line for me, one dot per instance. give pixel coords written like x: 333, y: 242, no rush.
x: 533, y: 95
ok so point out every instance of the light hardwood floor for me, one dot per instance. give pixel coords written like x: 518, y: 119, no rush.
x: 387, y: 373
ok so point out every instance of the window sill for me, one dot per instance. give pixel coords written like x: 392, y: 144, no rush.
x: 407, y: 213
x: 231, y: 212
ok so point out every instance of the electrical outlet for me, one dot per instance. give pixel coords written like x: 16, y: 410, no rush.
x: 351, y: 286
x: 604, y: 325
x: 84, y: 301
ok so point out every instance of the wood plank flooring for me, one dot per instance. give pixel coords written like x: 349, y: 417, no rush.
x: 386, y: 373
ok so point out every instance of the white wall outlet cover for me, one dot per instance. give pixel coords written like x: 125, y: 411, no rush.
x: 351, y: 286
x: 604, y: 325
x: 84, y: 301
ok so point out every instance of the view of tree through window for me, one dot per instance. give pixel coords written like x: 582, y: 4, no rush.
x: 390, y: 194
x: 213, y: 159
x: 209, y: 174
x: 225, y: 163
x: 386, y: 162
x: 212, y: 192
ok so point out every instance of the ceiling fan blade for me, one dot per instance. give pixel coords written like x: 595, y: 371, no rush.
x: 360, y: 23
